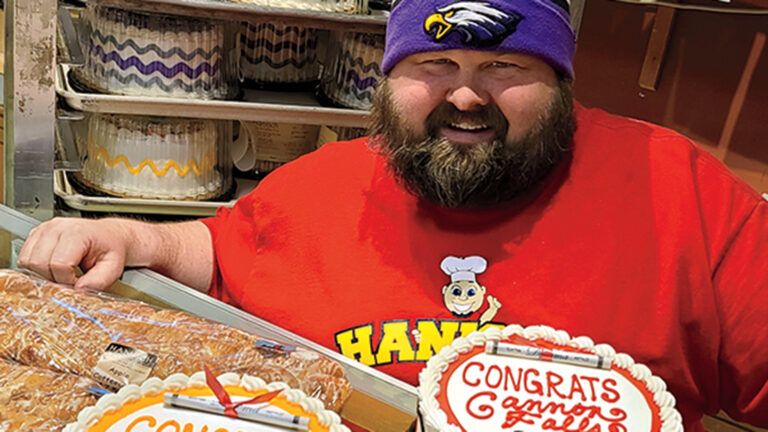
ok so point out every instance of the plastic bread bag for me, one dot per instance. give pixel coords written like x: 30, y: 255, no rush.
x: 34, y: 399
x: 116, y: 341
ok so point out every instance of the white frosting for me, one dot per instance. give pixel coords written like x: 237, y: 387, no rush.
x: 154, y: 386
x: 139, y: 157
x: 436, y: 419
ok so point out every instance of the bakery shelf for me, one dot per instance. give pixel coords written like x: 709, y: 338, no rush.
x: 375, y: 22
x: 258, y: 105
x: 77, y: 201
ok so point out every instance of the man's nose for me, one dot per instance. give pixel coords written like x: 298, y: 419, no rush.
x: 468, y: 95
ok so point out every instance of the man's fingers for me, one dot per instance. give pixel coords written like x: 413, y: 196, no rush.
x: 26, y: 249
x: 38, y: 257
x: 102, y: 275
x: 65, y: 257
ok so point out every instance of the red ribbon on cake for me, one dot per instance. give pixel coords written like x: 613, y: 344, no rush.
x: 224, y: 399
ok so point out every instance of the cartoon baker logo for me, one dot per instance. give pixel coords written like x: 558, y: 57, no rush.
x: 480, y: 24
x: 464, y: 296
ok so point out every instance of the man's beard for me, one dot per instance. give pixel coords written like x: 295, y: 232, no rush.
x: 476, y: 175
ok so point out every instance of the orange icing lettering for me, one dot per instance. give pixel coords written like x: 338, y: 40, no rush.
x: 169, y: 424
x: 148, y: 419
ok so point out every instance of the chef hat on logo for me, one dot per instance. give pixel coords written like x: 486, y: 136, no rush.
x: 463, y: 269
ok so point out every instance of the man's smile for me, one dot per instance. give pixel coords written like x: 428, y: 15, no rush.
x: 467, y: 133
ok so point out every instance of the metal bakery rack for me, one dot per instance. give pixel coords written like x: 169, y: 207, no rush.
x: 39, y: 95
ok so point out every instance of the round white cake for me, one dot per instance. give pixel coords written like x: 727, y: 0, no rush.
x: 354, y: 70
x: 140, y: 54
x: 536, y: 378
x: 278, y: 54
x: 153, y: 157
x: 159, y: 405
x: 341, y: 6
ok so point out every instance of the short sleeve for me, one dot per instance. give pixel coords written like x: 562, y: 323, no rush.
x: 741, y: 281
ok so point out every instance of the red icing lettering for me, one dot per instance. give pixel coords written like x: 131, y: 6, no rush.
x: 576, y: 388
x: 610, y: 395
x: 533, y: 386
x: 464, y: 374
x: 481, y: 411
x: 493, y: 383
x: 554, y: 380
x: 510, y: 377
x: 592, y: 381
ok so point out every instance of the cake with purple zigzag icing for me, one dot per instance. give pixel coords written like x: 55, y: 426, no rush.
x: 274, y: 54
x: 353, y: 71
x: 140, y: 54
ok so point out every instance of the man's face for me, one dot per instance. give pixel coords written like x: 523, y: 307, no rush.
x: 463, y: 298
x: 470, y: 128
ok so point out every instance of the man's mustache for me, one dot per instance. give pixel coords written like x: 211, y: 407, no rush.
x: 446, y: 114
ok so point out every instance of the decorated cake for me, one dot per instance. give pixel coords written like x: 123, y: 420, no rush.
x: 138, y: 54
x: 353, y: 70
x: 205, y: 403
x: 341, y: 6
x: 278, y: 54
x: 536, y: 378
x: 151, y: 157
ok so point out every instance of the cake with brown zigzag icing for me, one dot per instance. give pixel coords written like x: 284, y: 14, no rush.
x: 278, y: 54
x: 353, y: 70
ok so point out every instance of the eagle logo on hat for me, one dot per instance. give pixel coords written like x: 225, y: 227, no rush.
x: 479, y: 23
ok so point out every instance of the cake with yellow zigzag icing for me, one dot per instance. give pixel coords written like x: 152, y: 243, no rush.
x: 153, y: 158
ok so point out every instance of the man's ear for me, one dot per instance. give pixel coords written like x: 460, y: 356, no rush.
x: 482, y: 288
x: 445, y: 288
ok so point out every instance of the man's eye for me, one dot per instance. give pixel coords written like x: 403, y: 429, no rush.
x: 456, y: 292
x: 503, y: 65
x: 471, y: 292
x: 438, y: 61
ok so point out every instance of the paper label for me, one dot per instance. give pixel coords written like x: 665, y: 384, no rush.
x: 121, y: 365
x: 326, y: 135
x: 271, y: 349
x: 277, y: 142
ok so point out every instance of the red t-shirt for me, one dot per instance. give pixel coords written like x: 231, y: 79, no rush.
x: 642, y: 241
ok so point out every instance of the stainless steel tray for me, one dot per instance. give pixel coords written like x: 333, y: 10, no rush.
x: 375, y: 22
x: 379, y: 402
x: 64, y: 190
x: 264, y: 106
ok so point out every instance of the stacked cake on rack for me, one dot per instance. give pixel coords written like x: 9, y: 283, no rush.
x: 149, y: 55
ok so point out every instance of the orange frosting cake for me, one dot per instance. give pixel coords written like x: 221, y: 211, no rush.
x: 164, y: 405
x: 537, y: 379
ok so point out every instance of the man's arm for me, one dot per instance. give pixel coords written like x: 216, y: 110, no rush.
x: 103, y: 248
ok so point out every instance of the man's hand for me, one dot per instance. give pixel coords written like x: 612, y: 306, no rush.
x: 102, y: 248
x: 56, y: 248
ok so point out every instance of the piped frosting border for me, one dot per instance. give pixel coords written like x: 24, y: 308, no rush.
x: 430, y: 376
x: 154, y: 386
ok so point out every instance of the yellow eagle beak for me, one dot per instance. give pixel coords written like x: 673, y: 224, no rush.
x: 443, y: 26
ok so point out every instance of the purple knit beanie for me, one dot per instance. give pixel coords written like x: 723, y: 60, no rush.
x: 540, y: 28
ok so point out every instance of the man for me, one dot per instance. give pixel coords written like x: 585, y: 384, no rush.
x: 602, y: 226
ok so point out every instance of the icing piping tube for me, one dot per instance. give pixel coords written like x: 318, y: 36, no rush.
x: 545, y: 354
x: 244, y: 412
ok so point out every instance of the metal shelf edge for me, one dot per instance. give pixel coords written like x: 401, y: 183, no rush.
x: 206, y: 109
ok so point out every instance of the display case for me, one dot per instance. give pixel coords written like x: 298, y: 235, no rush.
x: 378, y: 401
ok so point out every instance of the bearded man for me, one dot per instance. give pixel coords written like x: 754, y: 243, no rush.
x: 595, y: 224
